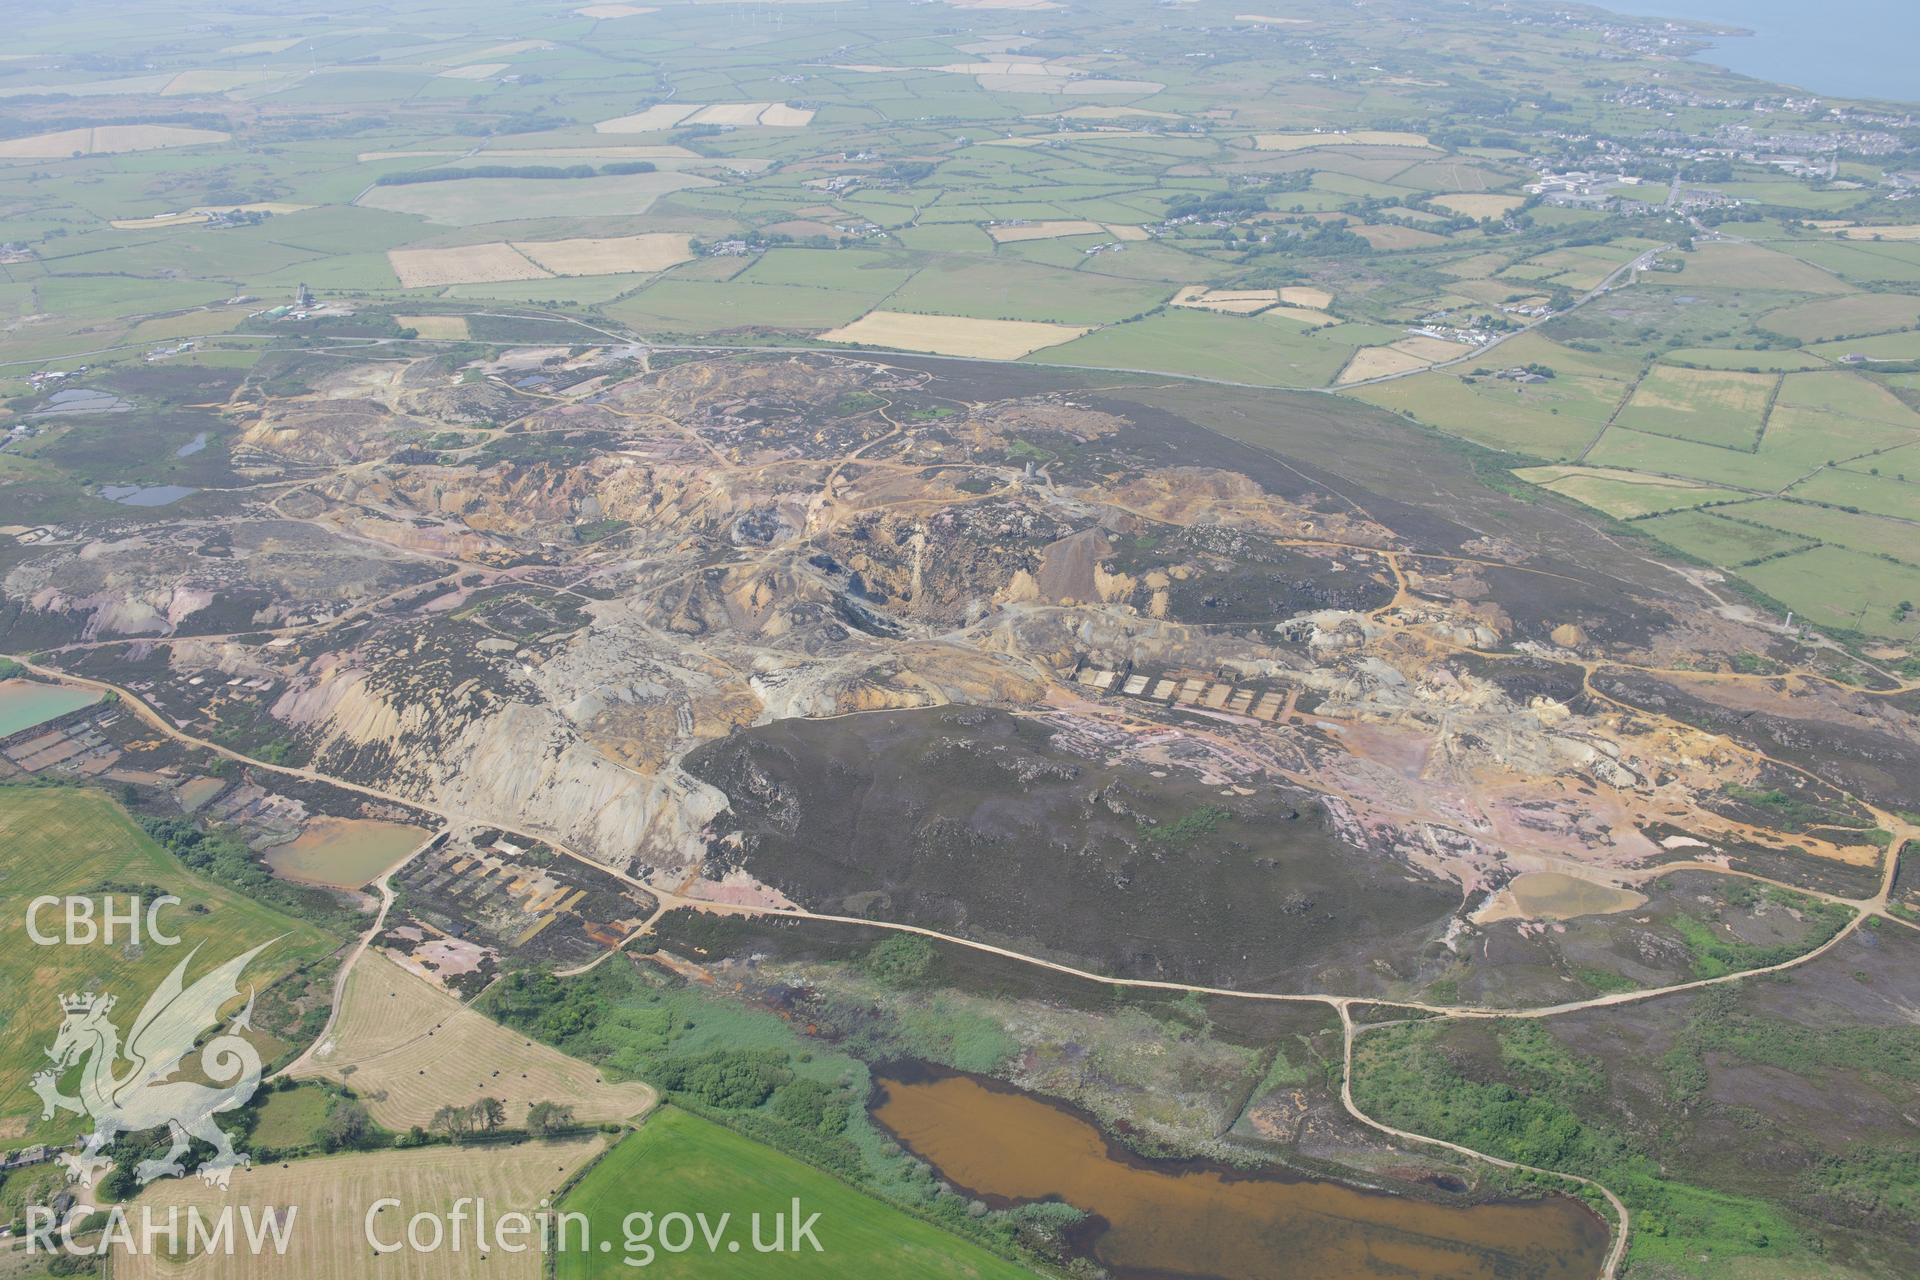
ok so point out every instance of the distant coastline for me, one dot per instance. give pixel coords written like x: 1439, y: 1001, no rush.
x: 1844, y: 49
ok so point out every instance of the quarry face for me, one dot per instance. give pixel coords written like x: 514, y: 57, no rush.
x: 923, y: 640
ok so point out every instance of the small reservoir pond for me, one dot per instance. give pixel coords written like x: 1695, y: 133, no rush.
x: 1163, y: 1219
x: 26, y: 703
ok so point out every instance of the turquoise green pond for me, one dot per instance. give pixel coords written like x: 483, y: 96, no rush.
x: 24, y: 704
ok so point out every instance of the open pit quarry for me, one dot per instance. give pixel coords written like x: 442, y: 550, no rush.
x: 533, y: 609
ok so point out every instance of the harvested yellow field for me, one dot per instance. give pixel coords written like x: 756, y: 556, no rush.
x: 1268, y: 21
x: 954, y: 335
x: 434, y: 326
x: 467, y: 264
x: 335, y: 1194
x: 1243, y: 302
x: 1303, y: 315
x: 498, y: 260
x: 1296, y: 302
x: 779, y: 115
x: 478, y: 71
x: 106, y: 139
x: 604, y: 11
x: 408, y: 1049
x: 1401, y: 357
x: 1472, y: 205
x: 1432, y: 349
x: 1044, y: 230
x: 1340, y: 138
x: 1910, y: 231
x: 662, y: 115
x: 1377, y: 362
x: 199, y: 214
x: 654, y: 251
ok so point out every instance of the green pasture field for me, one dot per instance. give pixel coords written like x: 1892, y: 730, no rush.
x: 1862, y: 262
x: 1452, y: 175
x: 945, y: 237
x: 1886, y: 494
x: 61, y: 841
x: 1854, y: 315
x: 1623, y: 497
x: 98, y: 298
x: 1664, y: 455
x: 1810, y: 438
x: 1023, y: 291
x: 1149, y: 260
x: 197, y: 252
x: 1837, y: 587
x: 192, y: 324
x: 1746, y: 361
x: 1649, y: 322
x: 1849, y: 395
x: 291, y: 1117
x: 680, y: 1162
x: 347, y: 272
x: 1066, y: 253
x: 1855, y: 530
x: 1553, y: 420
x: 1537, y: 348
x: 1791, y: 194
x: 584, y: 291
x: 1580, y: 268
x: 469, y: 201
x: 340, y: 229
x: 1721, y: 540
x: 1711, y: 407
x: 675, y: 306
x: 1347, y: 185
x: 1732, y: 265
x: 1904, y: 345
x: 867, y: 272
x: 1229, y: 348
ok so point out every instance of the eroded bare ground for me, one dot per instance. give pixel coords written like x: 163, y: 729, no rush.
x: 1197, y: 657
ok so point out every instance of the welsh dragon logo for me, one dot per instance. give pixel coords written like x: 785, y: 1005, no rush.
x: 141, y: 1096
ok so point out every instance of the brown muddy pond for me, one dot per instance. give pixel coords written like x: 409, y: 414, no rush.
x: 1162, y: 1219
